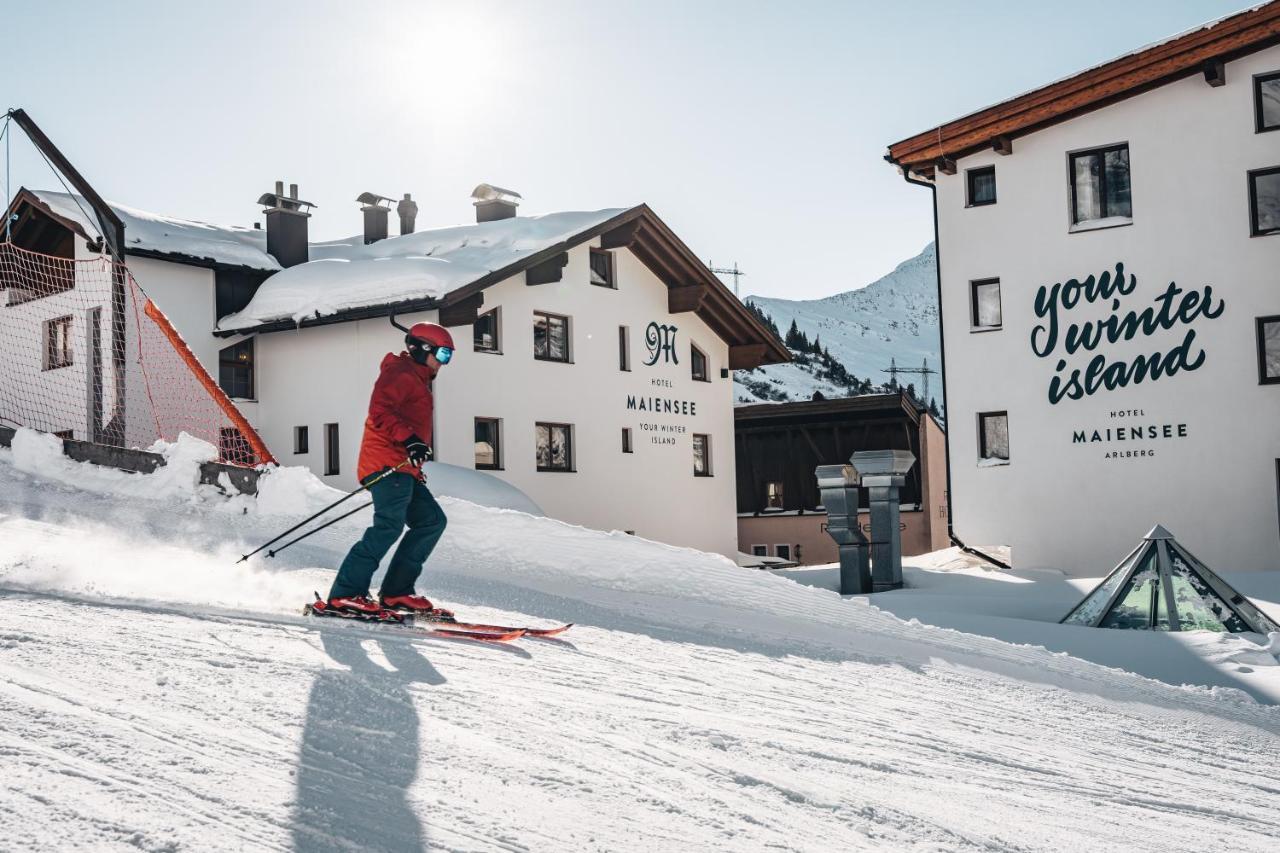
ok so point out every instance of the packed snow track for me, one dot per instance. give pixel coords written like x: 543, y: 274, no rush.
x: 156, y: 696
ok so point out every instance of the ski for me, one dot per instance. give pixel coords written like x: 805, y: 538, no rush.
x: 479, y: 626
x: 388, y: 617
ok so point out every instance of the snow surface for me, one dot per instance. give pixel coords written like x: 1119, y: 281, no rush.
x: 225, y: 244
x: 424, y: 265
x: 894, y: 317
x: 157, y: 695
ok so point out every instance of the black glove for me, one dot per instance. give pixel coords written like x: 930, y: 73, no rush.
x: 418, y: 450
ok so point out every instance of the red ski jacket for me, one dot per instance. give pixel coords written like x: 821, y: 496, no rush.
x: 400, y: 407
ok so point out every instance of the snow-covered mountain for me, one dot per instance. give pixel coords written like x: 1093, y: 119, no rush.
x: 895, y: 317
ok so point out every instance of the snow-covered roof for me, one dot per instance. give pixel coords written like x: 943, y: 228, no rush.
x: 347, y: 274
x: 232, y: 245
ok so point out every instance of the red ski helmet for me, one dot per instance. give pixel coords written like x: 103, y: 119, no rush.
x: 425, y: 338
x: 431, y: 334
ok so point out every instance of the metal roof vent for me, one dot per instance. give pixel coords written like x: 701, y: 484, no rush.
x: 494, y: 202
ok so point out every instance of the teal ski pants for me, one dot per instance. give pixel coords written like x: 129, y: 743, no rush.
x: 399, y: 501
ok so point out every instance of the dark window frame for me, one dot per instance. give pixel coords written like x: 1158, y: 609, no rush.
x: 612, y: 278
x: 496, y: 423
x: 1258, y: 80
x: 696, y: 353
x: 624, y: 349
x: 228, y: 382
x: 569, y: 460
x: 759, y: 550
x: 982, y: 434
x: 496, y: 349
x: 974, y: 325
x: 1254, y: 174
x: 301, y: 440
x: 1102, y: 180
x: 1260, y: 328
x: 628, y: 445
x: 777, y: 551
x: 709, y: 469
x: 332, y: 451
x: 55, y: 357
x: 969, y: 176
x: 568, y: 337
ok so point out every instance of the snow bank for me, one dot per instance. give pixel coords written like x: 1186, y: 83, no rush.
x: 40, y: 454
x: 423, y: 265
x: 226, y: 244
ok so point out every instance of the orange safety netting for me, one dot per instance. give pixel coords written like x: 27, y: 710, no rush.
x: 86, y: 355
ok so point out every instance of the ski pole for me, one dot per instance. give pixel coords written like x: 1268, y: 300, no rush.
x: 272, y: 553
x: 348, y: 495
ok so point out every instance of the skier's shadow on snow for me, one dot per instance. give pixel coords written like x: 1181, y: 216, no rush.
x: 360, y: 750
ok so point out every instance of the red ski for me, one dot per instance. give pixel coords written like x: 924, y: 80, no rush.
x: 478, y: 626
x: 453, y: 631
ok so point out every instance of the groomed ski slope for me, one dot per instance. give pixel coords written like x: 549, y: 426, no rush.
x: 155, y: 696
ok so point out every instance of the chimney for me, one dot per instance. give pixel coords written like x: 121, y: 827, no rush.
x: 287, y: 217
x: 375, y: 208
x: 408, y: 210
x: 494, y: 203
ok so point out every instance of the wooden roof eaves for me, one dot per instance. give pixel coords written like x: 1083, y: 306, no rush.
x: 1229, y: 39
x: 720, y: 305
x: 25, y: 196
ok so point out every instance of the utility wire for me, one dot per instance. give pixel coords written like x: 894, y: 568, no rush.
x: 91, y: 220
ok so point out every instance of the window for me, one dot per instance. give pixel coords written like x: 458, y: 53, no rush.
x: 57, y: 343
x: 1100, y: 185
x: 235, y: 370
x: 550, y: 337
x: 1264, y: 201
x: 234, y: 448
x: 759, y: 550
x: 773, y: 495
x: 981, y: 184
x: 488, y: 444
x: 1268, y: 350
x: 698, y: 364
x: 301, y: 441
x: 233, y: 290
x: 1266, y: 101
x: 782, y: 552
x: 993, y: 436
x: 554, y: 447
x: 484, y: 333
x: 626, y: 440
x: 985, y: 295
x: 701, y: 455
x: 331, y: 455
x: 602, y: 268
x: 624, y: 348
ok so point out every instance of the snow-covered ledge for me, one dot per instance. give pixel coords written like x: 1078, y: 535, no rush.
x: 1099, y: 224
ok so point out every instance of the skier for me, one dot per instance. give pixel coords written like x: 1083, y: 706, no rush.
x: 398, y: 430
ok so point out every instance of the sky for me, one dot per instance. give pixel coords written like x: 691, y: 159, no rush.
x: 756, y: 130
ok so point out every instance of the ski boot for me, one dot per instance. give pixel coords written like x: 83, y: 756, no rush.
x: 418, y: 606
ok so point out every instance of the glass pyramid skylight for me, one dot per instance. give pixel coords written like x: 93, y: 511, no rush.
x: 1160, y: 586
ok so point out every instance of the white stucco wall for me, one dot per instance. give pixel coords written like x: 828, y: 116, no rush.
x: 185, y: 294
x: 325, y: 374
x: 1062, y: 503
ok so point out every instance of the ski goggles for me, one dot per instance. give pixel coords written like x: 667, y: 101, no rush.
x: 443, y: 354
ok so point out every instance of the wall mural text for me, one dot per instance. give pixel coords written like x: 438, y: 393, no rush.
x: 1174, y: 307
